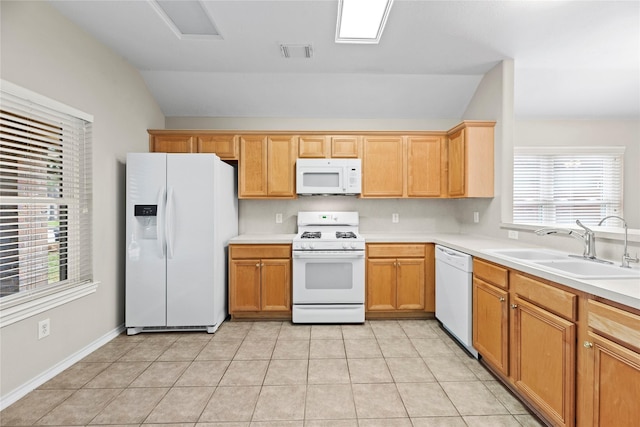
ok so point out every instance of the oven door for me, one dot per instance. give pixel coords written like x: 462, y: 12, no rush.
x: 328, y: 277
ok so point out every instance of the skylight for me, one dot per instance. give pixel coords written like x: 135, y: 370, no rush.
x: 187, y: 18
x: 361, y: 21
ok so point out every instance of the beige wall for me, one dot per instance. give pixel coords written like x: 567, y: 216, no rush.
x: 43, y: 52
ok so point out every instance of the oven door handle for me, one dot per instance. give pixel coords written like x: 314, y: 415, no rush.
x: 329, y: 255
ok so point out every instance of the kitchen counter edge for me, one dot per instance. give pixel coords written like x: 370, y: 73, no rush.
x: 623, y: 291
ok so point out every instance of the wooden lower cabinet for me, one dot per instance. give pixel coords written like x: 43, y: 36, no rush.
x: 491, y: 324
x: 260, y: 281
x: 611, y: 384
x: 544, y: 360
x: 400, y: 279
x: 525, y: 330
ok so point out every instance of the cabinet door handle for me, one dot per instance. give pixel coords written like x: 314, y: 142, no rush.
x: 514, y: 306
x: 587, y: 344
x: 258, y: 265
x: 502, y: 299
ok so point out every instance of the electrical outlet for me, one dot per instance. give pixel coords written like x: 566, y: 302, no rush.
x: 44, y: 328
x: 395, y: 218
x: 278, y: 218
x: 476, y: 217
x: 513, y: 234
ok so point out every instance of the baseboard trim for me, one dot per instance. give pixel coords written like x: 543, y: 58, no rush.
x: 18, y: 393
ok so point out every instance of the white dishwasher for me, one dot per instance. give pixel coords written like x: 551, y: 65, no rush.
x: 454, y: 294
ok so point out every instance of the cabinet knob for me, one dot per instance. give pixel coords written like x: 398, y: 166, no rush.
x: 502, y: 299
x: 258, y: 265
x: 587, y: 344
x: 514, y: 306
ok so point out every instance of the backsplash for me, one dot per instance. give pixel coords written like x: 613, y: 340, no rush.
x: 416, y: 215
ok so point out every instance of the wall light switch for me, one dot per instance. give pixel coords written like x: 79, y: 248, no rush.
x: 278, y: 218
x: 476, y: 217
x: 395, y: 218
x: 513, y: 234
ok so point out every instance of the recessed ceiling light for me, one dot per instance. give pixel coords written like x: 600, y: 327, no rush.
x: 361, y: 21
x: 296, y: 50
x: 187, y: 18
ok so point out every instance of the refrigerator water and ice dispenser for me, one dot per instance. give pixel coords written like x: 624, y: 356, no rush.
x: 146, y: 221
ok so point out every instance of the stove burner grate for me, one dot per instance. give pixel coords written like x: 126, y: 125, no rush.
x: 345, y: 235
x: 311, y: 235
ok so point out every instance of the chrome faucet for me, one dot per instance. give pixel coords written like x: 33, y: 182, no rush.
x: 588, y: 238
x: 626, y: 258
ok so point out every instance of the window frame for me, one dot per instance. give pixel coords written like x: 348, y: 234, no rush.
x: 26, y: 303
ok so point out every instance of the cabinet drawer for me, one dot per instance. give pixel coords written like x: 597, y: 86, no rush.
x: 259, y: 251
x: 395, y: 251
x: 615, y: 323
x: 491, y: 273
x: 556, y: 300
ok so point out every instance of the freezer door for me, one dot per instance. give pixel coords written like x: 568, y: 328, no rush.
x: 190, y: 239
x: 145, y: 293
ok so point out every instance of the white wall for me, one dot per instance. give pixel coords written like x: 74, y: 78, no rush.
x: 44, y: 52
x: 493, y: 100
x: 597, y: 133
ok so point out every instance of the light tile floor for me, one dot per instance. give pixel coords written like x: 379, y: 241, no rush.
x: 259, y: 374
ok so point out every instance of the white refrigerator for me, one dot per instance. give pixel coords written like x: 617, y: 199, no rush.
x: 182, y: 209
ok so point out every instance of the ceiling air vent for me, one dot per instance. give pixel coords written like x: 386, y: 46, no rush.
x: 296, y: 50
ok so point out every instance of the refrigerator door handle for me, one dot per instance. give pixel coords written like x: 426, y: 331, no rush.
x: 160, y: 221
x: 169, y: 223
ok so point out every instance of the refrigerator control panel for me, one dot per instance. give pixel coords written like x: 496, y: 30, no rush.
x: 145, y: 210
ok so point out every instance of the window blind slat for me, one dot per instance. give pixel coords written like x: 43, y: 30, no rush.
x: 555, y: 185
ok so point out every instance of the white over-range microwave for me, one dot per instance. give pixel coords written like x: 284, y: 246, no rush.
x: 328, y: 176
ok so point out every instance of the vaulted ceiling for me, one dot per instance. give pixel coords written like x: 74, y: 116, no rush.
x: 573, y: 59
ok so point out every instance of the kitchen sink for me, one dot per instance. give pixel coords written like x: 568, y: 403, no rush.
x: 584, y: 269
x: 530, y: 254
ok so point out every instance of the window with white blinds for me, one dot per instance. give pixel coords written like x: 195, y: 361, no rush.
x: 558, y: 185
x: 45, y: 191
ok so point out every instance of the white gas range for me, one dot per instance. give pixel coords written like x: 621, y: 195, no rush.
x: 328, y: 268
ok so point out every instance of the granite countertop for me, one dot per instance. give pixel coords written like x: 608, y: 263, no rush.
x: 623, y: 291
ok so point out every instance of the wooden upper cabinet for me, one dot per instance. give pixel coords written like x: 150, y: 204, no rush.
x: 181, y: 141
x: 470, y: 159
x: 425, y: 166
x: 225, y: 146
x: 267, y: 166
x: 252, y: 171
x: 328, y: 146
x: 382, y: 166
x: 312, y: 146
x: 281, y: 160
x: 457, y: 164
x: 171, y: 143
x: 345, y: 146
